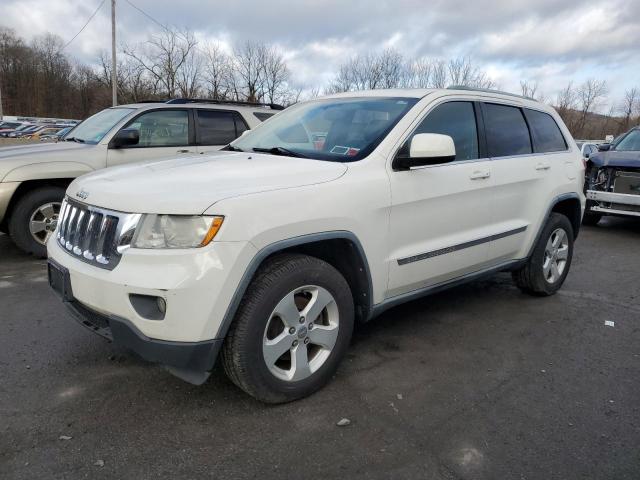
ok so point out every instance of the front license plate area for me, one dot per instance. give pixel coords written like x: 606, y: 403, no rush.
x: 60, y: 281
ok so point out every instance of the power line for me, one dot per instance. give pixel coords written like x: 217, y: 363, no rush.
x: 83, y: 27
x: 164, y: 27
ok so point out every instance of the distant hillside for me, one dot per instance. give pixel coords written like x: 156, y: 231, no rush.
x: 594, y: 126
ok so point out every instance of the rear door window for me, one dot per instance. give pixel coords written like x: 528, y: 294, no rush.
x: 506, y: 130
x: 546, y: 134
x: 217, y: 127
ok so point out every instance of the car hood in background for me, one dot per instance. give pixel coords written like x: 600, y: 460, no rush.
x: 17, y: 156
x: 616, y: 159
x: 189, y: 186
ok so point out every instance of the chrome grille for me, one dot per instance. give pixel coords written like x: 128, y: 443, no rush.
x: 94, y: 235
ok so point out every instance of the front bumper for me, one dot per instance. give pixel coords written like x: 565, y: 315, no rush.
x: 191, y: 361
x: 614, y: 203
x: 196, y: 284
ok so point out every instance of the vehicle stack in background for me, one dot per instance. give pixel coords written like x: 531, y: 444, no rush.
x: 30, y: 128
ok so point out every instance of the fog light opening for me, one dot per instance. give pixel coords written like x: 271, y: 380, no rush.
x: 162, y: 305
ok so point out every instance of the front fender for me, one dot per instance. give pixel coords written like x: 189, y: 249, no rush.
x: 42, y: 171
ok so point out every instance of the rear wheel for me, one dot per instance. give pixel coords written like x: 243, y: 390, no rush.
x: 34, y: 219
x: 547, y: 268
x: 291, y: 331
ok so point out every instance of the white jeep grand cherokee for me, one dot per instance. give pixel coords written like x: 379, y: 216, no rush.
x: 331, y: 212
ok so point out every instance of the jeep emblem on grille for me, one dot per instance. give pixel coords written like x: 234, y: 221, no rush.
x: 83, y: 194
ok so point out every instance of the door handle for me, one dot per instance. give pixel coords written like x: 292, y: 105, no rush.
x: 184, y: 151
x: 543, y: 166
x: 479, y: 175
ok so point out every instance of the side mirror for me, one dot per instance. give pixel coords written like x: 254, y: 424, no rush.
x: 427, y: 149
x: 604, y: 147
x: 125, y: 138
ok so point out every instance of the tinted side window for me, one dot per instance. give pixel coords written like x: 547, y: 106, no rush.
x: 262, y: 116
x: 162, y: 128
x: 458, y: 120
x: 546, y: 134
x: 507, y: 132
x: 216, y: 127
x: 241, y: 125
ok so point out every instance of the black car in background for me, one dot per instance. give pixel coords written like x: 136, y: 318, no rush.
x: 612, y: 181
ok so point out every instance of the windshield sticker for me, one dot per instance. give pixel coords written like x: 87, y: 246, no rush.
x: 348, y: 151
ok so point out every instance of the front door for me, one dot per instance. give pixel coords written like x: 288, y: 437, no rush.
x: 164, y: 133
x: 441, y: 214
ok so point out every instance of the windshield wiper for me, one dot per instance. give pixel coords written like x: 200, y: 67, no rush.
x: 231, y: 148
x: 279, y: 151
x: 74, y: 139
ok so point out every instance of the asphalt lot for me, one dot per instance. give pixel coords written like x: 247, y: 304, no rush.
x: 480, y: 382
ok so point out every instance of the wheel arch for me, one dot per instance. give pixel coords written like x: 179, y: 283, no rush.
x: 327, y: 246
x: 567, y: 204
x: 570, y: 206
x: 26, y: 187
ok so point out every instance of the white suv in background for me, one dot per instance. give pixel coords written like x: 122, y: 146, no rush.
x: 33, y: 177
x: 332, y: 212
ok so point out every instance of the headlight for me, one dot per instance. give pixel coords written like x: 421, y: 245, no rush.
x: 175, y: 231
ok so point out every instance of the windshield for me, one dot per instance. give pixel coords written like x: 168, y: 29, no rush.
x: 629, y: 143
x: 94, y: 128
x: 337, y: 129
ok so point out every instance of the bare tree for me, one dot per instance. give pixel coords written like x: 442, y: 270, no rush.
x: 439, y: 76
x: 589, y: 95
x: 276, y: 74
x: 171, y: 59
x: 417, y: 74
x: 528, y: 89
x: 217, y: 72
x: 630, y: 106
x: 249, y: 78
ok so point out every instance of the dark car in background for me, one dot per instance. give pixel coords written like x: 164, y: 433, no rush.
x: 612, y: 181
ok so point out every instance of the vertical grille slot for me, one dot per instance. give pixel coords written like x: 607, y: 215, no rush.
x: 91, y: 234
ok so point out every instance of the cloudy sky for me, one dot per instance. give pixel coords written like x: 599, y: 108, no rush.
x: 549, y: 41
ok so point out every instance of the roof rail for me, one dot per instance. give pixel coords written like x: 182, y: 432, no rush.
x: 272, y: 106
x: 488, y: 90
x: 149, y: 100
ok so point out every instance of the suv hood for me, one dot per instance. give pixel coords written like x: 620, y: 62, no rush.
x: 616, y: 159
x: 18, y: 156
x: 189, y: 186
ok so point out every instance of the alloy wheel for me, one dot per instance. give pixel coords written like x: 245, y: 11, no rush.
x: 43, y: 221
x: 301, y: 333
x: 556, y: 254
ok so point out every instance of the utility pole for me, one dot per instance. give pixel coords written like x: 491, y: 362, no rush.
x: 114, y: 86
x: 0, y: 98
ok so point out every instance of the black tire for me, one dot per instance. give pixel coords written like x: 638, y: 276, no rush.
x: 21, y: 217
x: 242, y: 353
x: 591, y: 219
x: 531, y: 277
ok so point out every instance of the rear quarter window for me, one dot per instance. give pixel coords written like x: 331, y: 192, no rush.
x: 506, y: 130
x: 262, y: 116
x: 545, y: 132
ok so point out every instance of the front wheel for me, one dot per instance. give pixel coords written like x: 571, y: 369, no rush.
x: 291, y: 331
x: 548, y: 267
x: 34, y: 219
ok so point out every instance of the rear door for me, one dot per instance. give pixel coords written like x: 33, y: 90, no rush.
x: 217, y: 128
x: 164, y: 133
x: 523, y: 146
